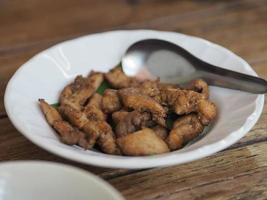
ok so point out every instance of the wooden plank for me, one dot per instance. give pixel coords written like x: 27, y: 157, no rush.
x: 236, y: 18
x: 260, y: 67
x: 243, y: 39
x: 35, y: 21
x: 239, y: 27
x: 235, y: 174
x: 16, y: 147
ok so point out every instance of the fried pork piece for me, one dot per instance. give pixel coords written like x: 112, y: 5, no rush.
x: 207, y: 111
x: 151, y: 89
x: 131, y: 98
x: 93, y: 128
x: 93, y: 109
x: 199, y: 86
x: 119, y: 115
x: 186, y: 119
x: 101, y: 132
x: 51, y: 114
x: 132, y: 122
x: 180, y: 101
x: 141, y: 143
x: 161, y: 131
x: 74, y: 116
x: 66, y: 94
x: 77, y: 93
x: 107, y: 141
x: 119, y: 80
x: 185, y: 129
x: 67, y: 133
x: 96, y: 101
x: 187, y: 101
x: 111, y: 101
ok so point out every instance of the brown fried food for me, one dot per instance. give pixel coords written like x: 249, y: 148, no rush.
x: 132, y: 122
x: 101, y: 132
x: 160, y: 131
x: 106, y: 140
x: 180, y: 101
x: 186, y: 119
x: 65, y: 95
x: 199, y: 86
x: 138, y: 109
x: 96, y: 101
x: 77, y: 93
x: 67, y: 133
x: 51, y: 114
x: 119, y: 115
x: 143, y: 103
x: 141, y: 143
x: 187, y: 101
x: 151, y: 89
x: 95, y: 130
x: 111, y: 101
x: 94, y: 113
x: 207, y: 111
x: 93, y: 109
x: 119, y: 80
x: 86, y: 141
x: 185, y: 129
x: 74, y: 116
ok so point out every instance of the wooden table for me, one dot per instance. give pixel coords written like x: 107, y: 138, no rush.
x: 239, y: 172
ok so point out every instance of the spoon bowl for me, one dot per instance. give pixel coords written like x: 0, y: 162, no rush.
x: 152, y: 58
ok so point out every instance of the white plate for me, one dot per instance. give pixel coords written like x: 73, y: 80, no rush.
x: 45, y: 180
x: 47, y: 73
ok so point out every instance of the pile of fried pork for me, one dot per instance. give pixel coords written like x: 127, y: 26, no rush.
x: 131, y: 117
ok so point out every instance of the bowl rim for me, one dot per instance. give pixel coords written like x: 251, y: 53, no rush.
x: 38, y: 164
x: 140, y: 162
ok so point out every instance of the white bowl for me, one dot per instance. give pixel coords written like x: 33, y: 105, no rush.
x: 46, y: 180
x: 47, y: 73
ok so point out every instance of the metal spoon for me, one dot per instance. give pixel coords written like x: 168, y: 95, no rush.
x: 153, y: 58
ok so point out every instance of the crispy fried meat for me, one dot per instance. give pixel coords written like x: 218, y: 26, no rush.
x: 141, y: 143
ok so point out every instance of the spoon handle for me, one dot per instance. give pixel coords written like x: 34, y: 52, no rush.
x: 234, y: 80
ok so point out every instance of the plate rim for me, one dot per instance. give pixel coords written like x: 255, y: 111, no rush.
x: 81, y: 172
x: 151, y: 161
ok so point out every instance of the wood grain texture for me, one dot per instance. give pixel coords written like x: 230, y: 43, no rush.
x: 193, y: 17
x: 37, y: 21
x: 241, y: 28
x: 238, y: 26
x: 235, y: 174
